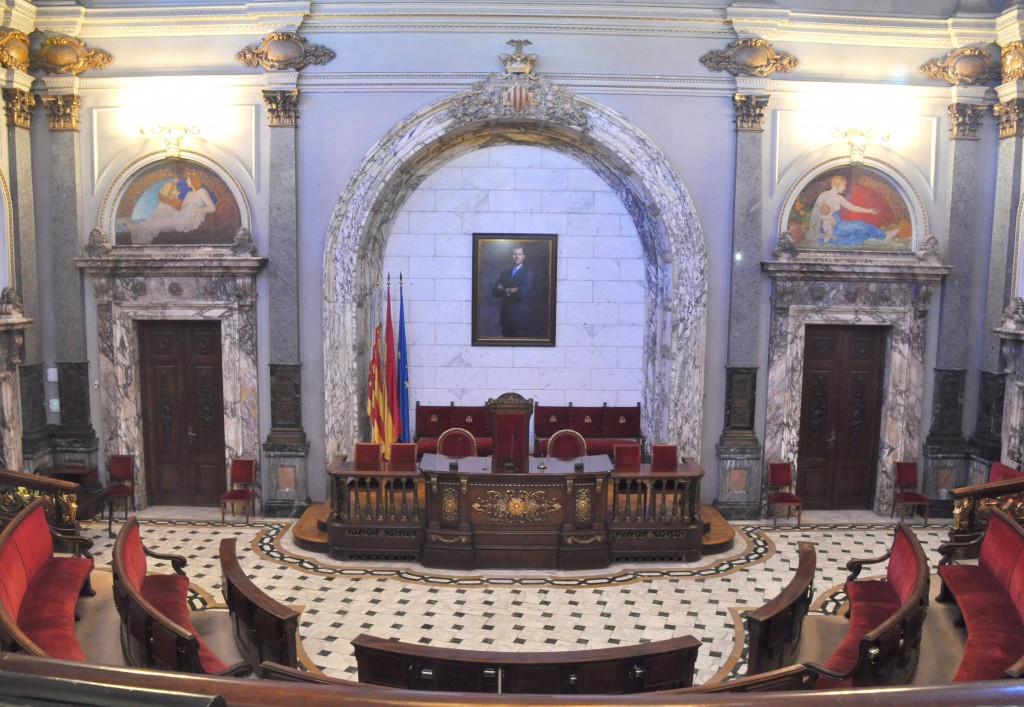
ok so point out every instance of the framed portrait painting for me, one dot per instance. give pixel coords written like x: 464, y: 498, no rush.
x: 851, y: 208
x: 176, y: 202
x: 514, y: 277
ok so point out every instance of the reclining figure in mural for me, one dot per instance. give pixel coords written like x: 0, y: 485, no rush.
x: 827, y: 223
x: 172, y: 213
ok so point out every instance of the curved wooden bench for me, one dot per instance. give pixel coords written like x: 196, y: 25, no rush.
x: 886, y: 619
x: 156, y: 630
x: 265, y: 629
x: 38, y: 591
x: 659, y: 665
x: 990, y: 595
x: 773, y: 631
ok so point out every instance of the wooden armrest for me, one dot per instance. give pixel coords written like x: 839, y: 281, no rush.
x: 238, y: 670
x: 948, y: 550
x: 80, y: 545
x: 854, y: 566
x: 818, y: 670
x: 1016, y: 670
x: 177, y: 561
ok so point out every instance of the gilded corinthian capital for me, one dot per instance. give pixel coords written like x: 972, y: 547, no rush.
x: 749, y: 112
x: 18, y: 107
x: 62, y: 111
x: 282, y: 107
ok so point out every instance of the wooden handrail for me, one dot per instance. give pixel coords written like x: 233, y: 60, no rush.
x: 773, y: 630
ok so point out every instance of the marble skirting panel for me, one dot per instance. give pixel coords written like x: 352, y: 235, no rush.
x: 12, y: 352
x: 739, y: 481
x: 941, y: 473
x: 896, y: 296
x: 625, y: 158
x: 1012, y: 452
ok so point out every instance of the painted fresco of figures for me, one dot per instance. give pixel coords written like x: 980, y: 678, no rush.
x: 176, y: 202
x: 851, y: 208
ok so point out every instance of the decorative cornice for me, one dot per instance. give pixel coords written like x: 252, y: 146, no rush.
x: 18, y: 107
x: 750, y: 57
x: 964, y: 120
x: 65, y: 55
x: 1013, y: 61
x: 282, y: 107
x: 749, y: 111
x: 1010, y: 115
x: 284, y: 51
x: 62, y: 112
x: 14, y: 52
x: 964, y: 66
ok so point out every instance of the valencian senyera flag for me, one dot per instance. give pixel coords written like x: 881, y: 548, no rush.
x: 392, y: 419
x: 375, y: 385
x: 403, y: 369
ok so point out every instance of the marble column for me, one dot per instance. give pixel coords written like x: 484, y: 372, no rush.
x: 285, y: 484
x: 75, y: 434
x: 738, y: 450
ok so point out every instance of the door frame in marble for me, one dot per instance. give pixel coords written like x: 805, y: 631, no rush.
x: 896, y: 294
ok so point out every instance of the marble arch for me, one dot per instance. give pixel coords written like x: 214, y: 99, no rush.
x: 628, y: 161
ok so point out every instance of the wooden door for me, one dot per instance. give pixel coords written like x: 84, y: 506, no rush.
x: 840, y: 416
x: 182, y: 412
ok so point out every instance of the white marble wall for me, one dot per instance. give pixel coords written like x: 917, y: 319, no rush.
x: 601, y: 281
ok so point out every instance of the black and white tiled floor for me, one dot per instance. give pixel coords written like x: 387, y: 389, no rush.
x: 531, y: 610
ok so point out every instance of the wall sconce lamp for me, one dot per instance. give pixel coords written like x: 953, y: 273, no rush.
x: 858, y: 139
x: 172, y: 135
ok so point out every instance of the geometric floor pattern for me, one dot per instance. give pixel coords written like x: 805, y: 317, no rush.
x: 530, y: 610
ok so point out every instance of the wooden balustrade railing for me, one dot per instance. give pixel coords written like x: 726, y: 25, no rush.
x: 18, y: 489
x: 649, y: 499
x: 972, y: 506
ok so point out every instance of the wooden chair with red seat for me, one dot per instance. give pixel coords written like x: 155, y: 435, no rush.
x: 905, y: 493
x: 566, y: 444
x: 120, y: 482
x: 780, y: 478
x: 402, y: 456
x: 243, y: 487
x: 664, y: 457
x: 456, y: 442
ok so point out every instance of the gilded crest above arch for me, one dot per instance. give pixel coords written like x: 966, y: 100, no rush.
x: 750, y: 57
x: 64, y: 55
x: 283, y: 51
x: 964, y: 66
x: 14, y: 52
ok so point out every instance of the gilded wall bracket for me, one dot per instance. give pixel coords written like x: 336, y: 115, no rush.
x: 63, y: 55
x: 750, y: 57
x: 284, y: 51
x: 964, y: 66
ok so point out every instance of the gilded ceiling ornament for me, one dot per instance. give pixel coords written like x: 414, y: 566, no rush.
x: 282, y: 107
x: 964, y: 120
x: 284, y: 51
x: 62, y: 111
x: 750, y: 57
x: 18, y: 106
x: 749, y: 112
x: 1010, y: 115
x: 14, y: 52
x: 1013, y: 61
x: 61, y: 54
x: 964, y: 66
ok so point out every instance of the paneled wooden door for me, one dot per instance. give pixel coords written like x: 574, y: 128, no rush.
x: 840, y: 415
x: 182, y: 412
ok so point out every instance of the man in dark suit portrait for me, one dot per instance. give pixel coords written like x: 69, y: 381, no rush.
x: 514, y: 288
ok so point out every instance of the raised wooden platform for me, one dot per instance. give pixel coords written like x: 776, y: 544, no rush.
x: 310, y: 530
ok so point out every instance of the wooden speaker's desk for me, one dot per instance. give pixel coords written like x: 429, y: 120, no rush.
x: 475, y: 512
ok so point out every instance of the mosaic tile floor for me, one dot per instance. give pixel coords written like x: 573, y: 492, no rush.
x: 520, y: 610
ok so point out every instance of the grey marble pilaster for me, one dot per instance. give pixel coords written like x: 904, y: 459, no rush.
x: 18, y: 108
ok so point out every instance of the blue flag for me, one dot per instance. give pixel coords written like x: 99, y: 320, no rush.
x: 403, y: 368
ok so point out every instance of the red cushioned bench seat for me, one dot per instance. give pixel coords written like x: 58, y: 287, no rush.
x: 433, y: 420
x: 990, y: 596
x: 38, y: 591
x: 602, y: 428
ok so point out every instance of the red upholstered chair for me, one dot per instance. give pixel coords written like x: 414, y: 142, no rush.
x: 368, y: 456
x: 905, y: 491
x: 121, y: 482
x: 511, y: 435
x: 664, y: 457
x: 456, y: 442
x: 403, y: 456
x: 567, y: 444
x: 1002, y: 472
x: 626, y: 456
x: 780, y: 491
x: 243, y: 483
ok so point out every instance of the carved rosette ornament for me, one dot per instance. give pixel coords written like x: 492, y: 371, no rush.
x: 964, y: 66
x: 749, y: 112
x: 62, y: 111
x: 14, y: 52
x: 516, y: 506
x: 964, y: 121
x: 282, y: 107
x: 63, y: 55
x: 519, y: 93
x: 750, y: 57
x: 1010, y: 115
x: 1013, y: 315
x: 284, y: 51
x: 18, y: 107
x: 1013, y: 61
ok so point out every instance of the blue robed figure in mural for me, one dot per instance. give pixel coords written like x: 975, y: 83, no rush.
x: 830, y: 227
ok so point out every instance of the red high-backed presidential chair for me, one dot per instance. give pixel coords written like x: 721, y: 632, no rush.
x: 456, y: 442
x: 905, y: 493
x: 780, y: 491
x: 243, y: 483
x: 566, y: 444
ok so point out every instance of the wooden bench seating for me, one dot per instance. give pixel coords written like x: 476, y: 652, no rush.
x: 990, y: 596
x: 265, y: 629
x: 773, y: 631
x: 433, y: 420
x: 601, y: 427
x: 659, y: 665
x: 886, y: 620
x: 156, y: 630
x: 38, y: 590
